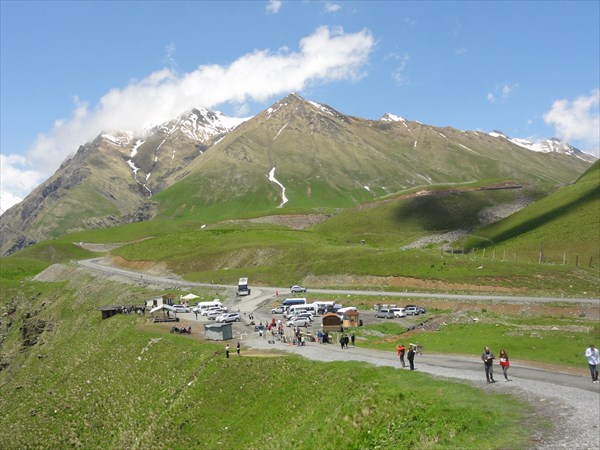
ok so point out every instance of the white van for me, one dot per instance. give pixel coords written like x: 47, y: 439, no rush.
x: 297, y: 309
x: 203, y: 307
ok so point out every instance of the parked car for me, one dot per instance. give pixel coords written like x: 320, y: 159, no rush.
x: 384, y: 314
x: 308, y: 316
x: 212, y: 315
x: 229, y: 317
x: 298, y: 322
x: 221, y: 309
x: 398, y: 312
x: 181, y: 309
x: 412, y: 310
x: 278, y: 310
x: 295, y: 288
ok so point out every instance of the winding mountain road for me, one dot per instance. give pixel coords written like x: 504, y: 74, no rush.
x: 97, y: 264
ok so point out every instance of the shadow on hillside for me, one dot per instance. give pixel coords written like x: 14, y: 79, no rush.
x: 442, y: 211
x: 542, y: 219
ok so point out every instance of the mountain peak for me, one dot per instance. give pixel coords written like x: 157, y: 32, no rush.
x: 552, y: 145
x: 389, y: 117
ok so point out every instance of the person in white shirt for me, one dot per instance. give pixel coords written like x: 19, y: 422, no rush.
x: 593, y: 358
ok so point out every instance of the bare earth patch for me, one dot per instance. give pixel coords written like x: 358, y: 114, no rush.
x: 401, y: 282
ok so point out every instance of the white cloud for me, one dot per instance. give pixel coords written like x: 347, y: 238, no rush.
x: 460, y: 51
x: 508, y: 89
x: 273, y: 6
x: 332, y: 7
x: 17, y: 179
x: 398, y: 74
x: 169, y: 59
x: 502, y: 91
x: 328, y: 54
x: 577, y: 120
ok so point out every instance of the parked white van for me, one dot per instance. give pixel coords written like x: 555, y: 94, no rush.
x: 297, y: 309
x: 203, y: 307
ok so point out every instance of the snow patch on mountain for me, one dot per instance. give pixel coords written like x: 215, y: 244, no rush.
x: 270, y: 111
x: 467, y: 148
x: 323, y: 108
x: 286, y: 124
x: 389, y: 117
x: 137, y: 145
x: 121, y: 138
x: 274, y: 180
x: 552, y: 145
x: 200, y: 124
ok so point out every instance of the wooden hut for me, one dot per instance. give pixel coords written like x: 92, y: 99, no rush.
x: 218, y: 331
x: 331, y: 322
x: 349, y: 317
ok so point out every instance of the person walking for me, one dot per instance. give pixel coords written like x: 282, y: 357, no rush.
x: 488, y: 360
x: 504, y: 364
x: 592, y: 356
x: 238, y: 348
x: 401, y: 349
x: 227, y: 351
x: 411, y: 357
x: 352, y: 339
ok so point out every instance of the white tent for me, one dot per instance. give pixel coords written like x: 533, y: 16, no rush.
x: 189, y: 297
x: 162, y: 307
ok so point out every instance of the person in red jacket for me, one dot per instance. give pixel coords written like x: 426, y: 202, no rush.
x: 401, y: 349
x: 504, y: 363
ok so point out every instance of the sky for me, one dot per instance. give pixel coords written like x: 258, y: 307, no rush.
x: 71, y: 69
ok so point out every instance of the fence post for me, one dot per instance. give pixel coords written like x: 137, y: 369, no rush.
x: 590, y: 264
x: 576, y: 260
x: 564, y: 258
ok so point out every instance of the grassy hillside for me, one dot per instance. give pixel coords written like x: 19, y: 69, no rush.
x: 360, y: 247
x: 562, y: 225
x: 70, y: 379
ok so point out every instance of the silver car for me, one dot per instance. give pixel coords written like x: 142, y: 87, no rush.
x: 298, y: 322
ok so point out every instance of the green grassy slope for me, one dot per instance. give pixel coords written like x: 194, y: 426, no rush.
x: 564, y: 224
x: 119, y: 383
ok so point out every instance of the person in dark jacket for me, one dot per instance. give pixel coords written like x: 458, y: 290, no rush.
x: 411, y: 357
x: 488, y: 362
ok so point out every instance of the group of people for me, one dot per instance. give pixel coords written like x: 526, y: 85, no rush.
x: 591, y: 354
x: 181, y: 330
x: 488, y: 363
x: 345, y: 340
x: 237, y: 349
x: 410, y: 355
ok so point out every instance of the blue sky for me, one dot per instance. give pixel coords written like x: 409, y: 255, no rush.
x: 71, y: 69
